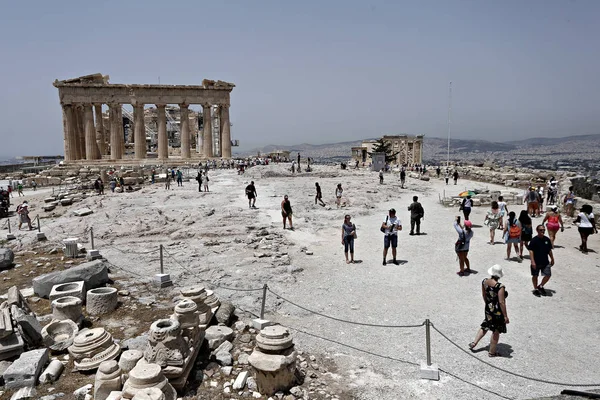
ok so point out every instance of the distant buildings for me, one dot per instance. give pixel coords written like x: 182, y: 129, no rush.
x: 408, y: 149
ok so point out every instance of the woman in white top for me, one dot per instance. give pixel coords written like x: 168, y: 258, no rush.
x: 338, y: 194
x: 587, y: 225
x: 503, y: 210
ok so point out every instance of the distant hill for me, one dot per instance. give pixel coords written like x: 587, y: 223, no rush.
x: 581, y: 150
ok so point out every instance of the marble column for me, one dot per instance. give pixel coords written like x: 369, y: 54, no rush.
x: 405, y: 151
x: 114, y: 131
x: 90, y: 132
x: 225, y: 132
x: 207, y: 147
x: 185, y: 130
x: 121, y: 132
x: 140, y: 132
x: 80, y: 132
x: 163, y: 140
x: 69, y: 132
x: 100, y: 132
x: 413, y: 151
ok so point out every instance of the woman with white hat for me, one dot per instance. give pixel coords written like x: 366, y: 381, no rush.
x: 496, y: 317
x: 23, y: 211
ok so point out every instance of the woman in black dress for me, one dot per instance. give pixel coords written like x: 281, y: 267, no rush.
x: 496, y: 317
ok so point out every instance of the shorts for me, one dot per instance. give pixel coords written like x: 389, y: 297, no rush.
x: 586, y: 231
x: 250, y: 196
x: 390, y: 240
x: 284, y: 214
x: 546, y: 271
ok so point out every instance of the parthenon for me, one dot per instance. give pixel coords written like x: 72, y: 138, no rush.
x: 86, y: 139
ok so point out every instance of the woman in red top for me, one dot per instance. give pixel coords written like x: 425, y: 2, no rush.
x: 553, y: 222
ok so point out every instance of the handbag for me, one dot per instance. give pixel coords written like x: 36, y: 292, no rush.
x: 382, y: 229
x: 354, y: 235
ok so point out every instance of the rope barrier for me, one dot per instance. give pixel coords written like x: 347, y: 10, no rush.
x: 393, y: 359
x: 514, y: 373
x: 343, y: 320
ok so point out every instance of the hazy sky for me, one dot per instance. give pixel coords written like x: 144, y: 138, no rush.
x: 316, y: 71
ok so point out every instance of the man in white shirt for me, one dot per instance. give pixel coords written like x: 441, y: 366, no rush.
x: 390, y: 228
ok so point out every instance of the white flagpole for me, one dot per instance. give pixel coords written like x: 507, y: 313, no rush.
x: 449, y: 120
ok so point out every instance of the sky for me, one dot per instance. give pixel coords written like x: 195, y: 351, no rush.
x: 316, y: 71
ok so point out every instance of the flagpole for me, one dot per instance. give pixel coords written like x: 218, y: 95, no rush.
x: 449, y: 120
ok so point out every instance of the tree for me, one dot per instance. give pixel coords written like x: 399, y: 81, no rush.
x: 385, y: 147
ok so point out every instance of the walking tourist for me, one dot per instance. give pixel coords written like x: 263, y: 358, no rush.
x: 512, y: 233
x: 540, y: 200
x: 173, y: 174
x: 503, y: 210
x: 338, y: 194
x: 206, y: 180
x: 10, y: 189
x: 167, y: 180
x: 554, y: 222
x: 402, y: 177
x: 455, y: 176
x: 466, y: 206
x: 319, y: 196
x: 569, y: 202
x: 496, y: 316
x: 20, y: 189
x: 552, y: 190
x: 34, y: 185
x: 416, y: 213
x: 492, y: 220
x: 112, y: 184
x: 531, y: 198
x: 438, y: 171
x: 390, y: 228
x: 23, y: 212
x: 381, y: 176
x: 348, y: 236
x: 587, y: 225
x: 251, y: 193
x: 179, y: 177
x: 461, y: 247
x: 199, y: 180
x: 542, y: 260
x: 286, y: 211
x: 526, y: 231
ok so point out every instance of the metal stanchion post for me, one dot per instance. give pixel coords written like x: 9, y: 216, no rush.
x: 38, y: 223
x: 161, y: 260
x: 264, y: 300
x: 428, y: 341
x: 92, y: 237
x: 429, y: 370
x: 9, y: 231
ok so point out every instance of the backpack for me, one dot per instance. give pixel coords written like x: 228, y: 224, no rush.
x: 419, y: 210
x: 514, y: 231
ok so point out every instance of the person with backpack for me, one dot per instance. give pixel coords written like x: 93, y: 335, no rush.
x: 23, y: 212
x: 466, y: 206
x: 461, y: 247
x: 416, y: 213
x: 512, y: 233
x: 199, y: 180
x: 348, y: 236
x: 179, y: 177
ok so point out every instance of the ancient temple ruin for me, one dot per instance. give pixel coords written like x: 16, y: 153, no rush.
x: 87, y: 138
x: 408, y: 149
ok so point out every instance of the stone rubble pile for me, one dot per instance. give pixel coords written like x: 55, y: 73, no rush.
x: 227, y: 357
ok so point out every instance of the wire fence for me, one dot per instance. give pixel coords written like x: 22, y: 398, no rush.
x: 266, y: 289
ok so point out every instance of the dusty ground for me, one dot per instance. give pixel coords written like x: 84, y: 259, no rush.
x: 215, y: 239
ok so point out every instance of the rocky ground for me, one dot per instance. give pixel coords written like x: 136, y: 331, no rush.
x: 214, y: 239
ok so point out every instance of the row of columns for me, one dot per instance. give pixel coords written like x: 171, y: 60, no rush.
x: 85, y: 140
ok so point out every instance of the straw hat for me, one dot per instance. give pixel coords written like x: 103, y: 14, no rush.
x: 496, y: 270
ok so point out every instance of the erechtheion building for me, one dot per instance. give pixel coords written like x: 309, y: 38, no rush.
x: 87, y: 138
x: 409, y: 149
